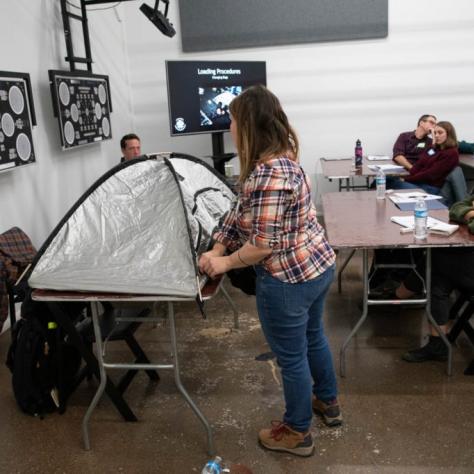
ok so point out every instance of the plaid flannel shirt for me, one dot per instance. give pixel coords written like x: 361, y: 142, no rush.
x: 274, y: 210
x: 16, y: 253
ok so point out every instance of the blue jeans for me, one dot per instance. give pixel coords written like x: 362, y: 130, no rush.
x: 397, y: 183
x: 291, y: 319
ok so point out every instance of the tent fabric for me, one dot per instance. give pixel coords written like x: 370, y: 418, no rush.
x: 138, y: 229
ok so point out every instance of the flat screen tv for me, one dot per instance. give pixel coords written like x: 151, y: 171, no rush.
x: 199, y: 92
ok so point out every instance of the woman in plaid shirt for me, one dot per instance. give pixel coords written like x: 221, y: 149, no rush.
x: 273, y: 227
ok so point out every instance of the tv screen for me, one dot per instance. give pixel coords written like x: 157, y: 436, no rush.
x: 199, y: 92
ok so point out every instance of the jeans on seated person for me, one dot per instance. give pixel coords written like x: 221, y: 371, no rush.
x: 452, y: 269
x: 291, y: 318
x: 394, y: 182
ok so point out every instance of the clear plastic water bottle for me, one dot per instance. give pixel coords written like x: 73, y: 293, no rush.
x: 380, y: 183
x: 358, y: 154
x: 421, y: 219
x: 214, y: 466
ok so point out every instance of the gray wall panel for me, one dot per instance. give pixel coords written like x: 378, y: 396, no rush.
x: 208, y: 25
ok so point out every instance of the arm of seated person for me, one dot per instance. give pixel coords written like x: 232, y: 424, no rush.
x: 462, y: 211
x: 469, y: 215
x: 402, y: 161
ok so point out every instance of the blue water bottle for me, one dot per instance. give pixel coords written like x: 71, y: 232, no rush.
x: 214, y: 466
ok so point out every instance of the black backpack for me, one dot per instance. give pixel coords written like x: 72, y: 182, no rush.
x: 41, y: 361
x: 33, y: 368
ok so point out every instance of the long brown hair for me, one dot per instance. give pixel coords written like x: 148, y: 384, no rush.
x: 263, y: 130
x: 451, y: 139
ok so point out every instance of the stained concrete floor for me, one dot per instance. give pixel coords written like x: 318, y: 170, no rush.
x: 399, y: 417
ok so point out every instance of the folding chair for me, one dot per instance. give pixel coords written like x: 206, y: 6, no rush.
x: 16, y: 254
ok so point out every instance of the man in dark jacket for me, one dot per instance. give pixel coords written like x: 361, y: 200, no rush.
x: 410, y: 145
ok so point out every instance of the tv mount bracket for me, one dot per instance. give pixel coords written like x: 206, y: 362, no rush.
x: 68, y: 15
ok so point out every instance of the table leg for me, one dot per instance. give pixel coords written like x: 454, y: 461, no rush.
x: 232, y: 305
x: 444, y: 338
x: 177, y: 378
x: 339, y: 273
x: 365, y: 276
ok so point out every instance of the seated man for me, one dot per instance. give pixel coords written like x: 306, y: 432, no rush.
x: 451, y: 269
x: 410, y: 145
x: 130, y: 146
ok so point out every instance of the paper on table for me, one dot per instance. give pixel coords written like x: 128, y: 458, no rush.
x: 412, y: 196
x: 434, y: 225
x: 378, y: 157
x: 387, y: 167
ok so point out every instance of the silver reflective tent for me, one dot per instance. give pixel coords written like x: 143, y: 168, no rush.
x: 138, y: 229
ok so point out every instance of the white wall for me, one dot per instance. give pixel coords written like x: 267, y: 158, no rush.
x: 333, y: 93
x: 35, y: 197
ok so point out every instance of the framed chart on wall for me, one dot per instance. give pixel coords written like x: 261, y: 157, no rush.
x: 82, y: 104
x: 17, y: 117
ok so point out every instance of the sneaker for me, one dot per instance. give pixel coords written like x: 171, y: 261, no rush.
x: 329, y: 412
x: 435, y: 349
x: 280, y: 437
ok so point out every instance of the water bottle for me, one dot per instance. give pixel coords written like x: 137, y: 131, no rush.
x: 421, y: 218
x: 358, y: 154
x: 214, y: 466
x: 380, y: 183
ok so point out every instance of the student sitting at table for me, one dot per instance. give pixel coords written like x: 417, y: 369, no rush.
x: 435, y: 163
x: 409, y: 145
x: 452, y: 269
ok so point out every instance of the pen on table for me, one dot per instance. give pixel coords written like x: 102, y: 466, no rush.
x: 406, y: 230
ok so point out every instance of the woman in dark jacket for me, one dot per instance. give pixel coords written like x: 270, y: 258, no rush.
x: 434, y: 165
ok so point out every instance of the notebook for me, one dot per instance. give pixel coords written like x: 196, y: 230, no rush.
x: 434, y: 226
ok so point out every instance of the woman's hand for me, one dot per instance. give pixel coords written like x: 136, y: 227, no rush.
x: 469, y: 215
x: 213, y: 265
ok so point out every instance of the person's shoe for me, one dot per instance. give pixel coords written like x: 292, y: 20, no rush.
x: 280, y: 437
x: 435, y: 349
x: 329, y: 412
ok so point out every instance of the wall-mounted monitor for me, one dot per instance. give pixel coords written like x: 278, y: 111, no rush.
x: 199, y: 92
x: 17, y: 117
x: 82, y: 103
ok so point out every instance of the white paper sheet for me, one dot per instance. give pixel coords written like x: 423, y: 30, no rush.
x: 412, y: 197
x: 387, y: 168
x: 434, y: 225
x: 378, y: 157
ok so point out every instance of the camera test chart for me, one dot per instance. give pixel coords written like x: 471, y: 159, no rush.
x: 82, y: 103
x: 17, y: 117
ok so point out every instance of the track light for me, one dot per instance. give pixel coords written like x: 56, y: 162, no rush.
x: 159, y: 19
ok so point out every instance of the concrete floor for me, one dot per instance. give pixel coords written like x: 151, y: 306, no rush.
x: 399, y: 417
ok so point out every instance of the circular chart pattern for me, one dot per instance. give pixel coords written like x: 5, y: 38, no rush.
x: 74, y: 112
x: 16, y: 100
x: 102, y: 94
x: 23, y: 147
x: 69, y: 132
x: 105, y: 126
x: 64, y: 94
x: 8, y: 125
x: 98, y: 111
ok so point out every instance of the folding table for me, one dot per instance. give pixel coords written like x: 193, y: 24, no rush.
x: 208, y: 291
x: 370, y: 228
